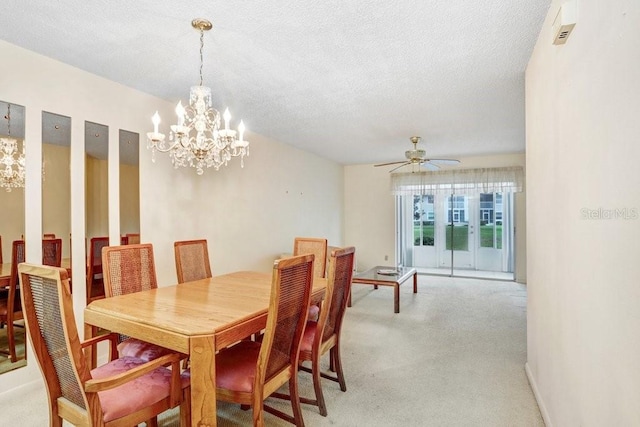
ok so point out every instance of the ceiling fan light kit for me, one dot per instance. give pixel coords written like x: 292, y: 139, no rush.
x: 419, y: 157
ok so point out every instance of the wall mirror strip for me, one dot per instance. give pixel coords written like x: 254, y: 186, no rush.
x: 12, y: 146
x: 129, y: 187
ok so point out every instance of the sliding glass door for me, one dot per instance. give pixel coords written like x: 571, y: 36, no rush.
x: 458, y: 235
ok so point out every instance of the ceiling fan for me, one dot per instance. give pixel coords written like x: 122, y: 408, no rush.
x: 418, y: 157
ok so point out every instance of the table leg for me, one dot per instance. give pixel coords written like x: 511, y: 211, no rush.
x: 396, y: 298
x: 202, y: 359
x: 415, y: 283
x: 91, y: 356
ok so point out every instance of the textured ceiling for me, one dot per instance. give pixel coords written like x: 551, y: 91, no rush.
x: 348, y: 80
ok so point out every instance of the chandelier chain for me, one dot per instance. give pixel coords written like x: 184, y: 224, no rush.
x: 201, y: 57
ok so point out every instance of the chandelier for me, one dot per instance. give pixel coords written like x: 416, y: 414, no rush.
x: 197, y: 139
x: 11, y: 159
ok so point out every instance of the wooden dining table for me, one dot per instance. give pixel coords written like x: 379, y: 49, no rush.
x: 196, y: 318
x: 5, y: 271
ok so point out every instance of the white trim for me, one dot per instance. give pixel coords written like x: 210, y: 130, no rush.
x: 536, y: 394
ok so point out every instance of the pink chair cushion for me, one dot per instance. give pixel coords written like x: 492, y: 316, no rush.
x: 308, y: 336
x: 314, y: 312
x: 136, y: 394
x: 236, y: 366
x: 132, y: 347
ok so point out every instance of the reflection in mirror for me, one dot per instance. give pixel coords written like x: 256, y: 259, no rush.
x: 96, y: 143
x: 56, y: 187
x: 129, y: 187
x: 12, y: 144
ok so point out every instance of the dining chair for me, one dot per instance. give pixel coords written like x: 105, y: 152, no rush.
x: 318, y: 247
x: 49, y: 236
x: 95, y: 279
x: 52, y: 252
x: 192, y: 260
x: 11, y: 307
x: 128, y: 269
x: 324, y: 335
x: 124, y: 392
x: 133, y: 238
x: 250, y: 371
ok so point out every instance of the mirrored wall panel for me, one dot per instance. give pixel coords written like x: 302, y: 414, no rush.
x: 56, y: 186
x: 96, y: 142
x: 129, y: 187
x: 12, y: 150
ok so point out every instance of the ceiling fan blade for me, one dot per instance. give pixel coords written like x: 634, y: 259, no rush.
x: 444, y: 161
x: 430, y: 166
x: 398, y: 167
x: 390, y: 163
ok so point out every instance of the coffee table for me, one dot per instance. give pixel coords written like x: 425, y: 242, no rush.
x: 394, y: 277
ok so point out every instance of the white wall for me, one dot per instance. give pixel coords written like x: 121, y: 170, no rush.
x: 248, y: 215
x: 583, y: 107
x: 370, y: 211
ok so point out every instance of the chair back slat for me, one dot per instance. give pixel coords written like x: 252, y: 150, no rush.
x: 51, y: 325
x: 338, y: 288
x: 315, y: 246
x: 192, y: 260
x: 288, y: 311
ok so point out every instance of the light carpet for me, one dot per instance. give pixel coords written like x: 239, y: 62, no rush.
x: 453, y: 356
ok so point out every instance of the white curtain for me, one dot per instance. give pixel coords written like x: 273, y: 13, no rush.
x: 459, y: 181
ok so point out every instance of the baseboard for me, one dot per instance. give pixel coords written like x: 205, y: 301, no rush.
x: 536, y: 394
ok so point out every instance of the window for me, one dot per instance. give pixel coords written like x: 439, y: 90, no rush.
x: 423, y: 221
x: 491, y: 220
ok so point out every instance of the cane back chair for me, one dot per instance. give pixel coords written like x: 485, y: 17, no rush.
x: 123, y: 392
x: 250, y: 371
x: 128, y: 269
x: 192, y: 260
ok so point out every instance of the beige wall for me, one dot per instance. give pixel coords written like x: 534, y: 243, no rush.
x: 583, y: 103
x: 249, y: 216
x: 370, y: 211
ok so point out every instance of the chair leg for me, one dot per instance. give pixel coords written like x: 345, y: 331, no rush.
x: 258, y: 413
x: 335, y: 356
x: 12, y: 342
x: 317, y: 385
x: 295, y: 400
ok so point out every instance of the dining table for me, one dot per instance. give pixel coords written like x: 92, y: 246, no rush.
x: 5, y: 271
x: 195, y: 318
